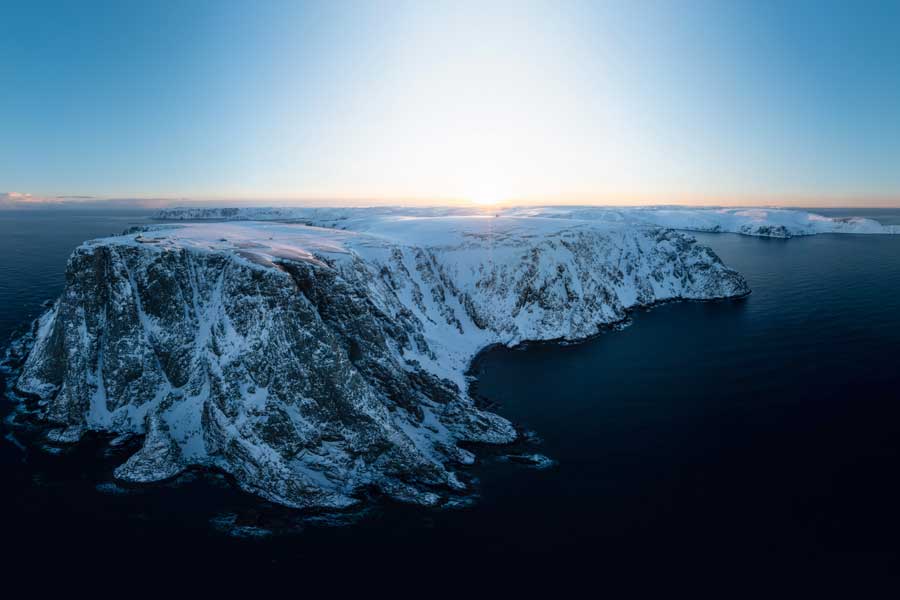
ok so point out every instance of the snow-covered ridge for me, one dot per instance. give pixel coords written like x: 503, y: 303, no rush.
x: 313, y: 363
x: 763, y: 222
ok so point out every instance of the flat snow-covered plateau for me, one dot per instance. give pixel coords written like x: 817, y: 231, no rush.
x: 316, y: 353
x: 761, y: 222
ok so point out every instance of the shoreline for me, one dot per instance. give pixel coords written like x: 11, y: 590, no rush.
x: 470, y: 372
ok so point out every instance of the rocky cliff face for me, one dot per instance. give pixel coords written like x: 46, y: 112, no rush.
x: 311, y: 363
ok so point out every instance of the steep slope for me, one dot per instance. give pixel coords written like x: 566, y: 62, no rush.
x: 312, y: 363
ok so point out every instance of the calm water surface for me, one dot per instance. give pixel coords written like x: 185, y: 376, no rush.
x: 756, y: 439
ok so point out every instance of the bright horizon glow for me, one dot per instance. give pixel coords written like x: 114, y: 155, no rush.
x: 453, y: 102
x: 485, y: 197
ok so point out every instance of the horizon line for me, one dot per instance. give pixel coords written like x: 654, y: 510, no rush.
x: 21, y: 200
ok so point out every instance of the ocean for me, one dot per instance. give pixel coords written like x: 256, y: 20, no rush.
x: 756, y: 439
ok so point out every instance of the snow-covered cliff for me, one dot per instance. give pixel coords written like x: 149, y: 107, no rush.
x: 762, y: 222
x: 312, y: 363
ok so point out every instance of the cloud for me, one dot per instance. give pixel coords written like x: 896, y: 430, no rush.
x: 23, y: 200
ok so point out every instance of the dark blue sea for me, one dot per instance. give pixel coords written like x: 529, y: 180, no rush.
x: 748, y: 443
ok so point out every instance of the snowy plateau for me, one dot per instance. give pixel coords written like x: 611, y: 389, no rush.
x: 314, y: 354
x: 760, y: 222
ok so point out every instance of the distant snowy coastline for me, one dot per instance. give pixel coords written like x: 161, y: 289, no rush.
x: 759, y: 222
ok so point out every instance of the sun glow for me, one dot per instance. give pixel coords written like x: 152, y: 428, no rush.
x: 486, y: 195
x: 486, y: 180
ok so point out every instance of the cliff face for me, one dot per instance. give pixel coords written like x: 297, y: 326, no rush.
x: 311, y: 363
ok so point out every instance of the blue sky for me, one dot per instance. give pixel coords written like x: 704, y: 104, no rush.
x: 776, y: 102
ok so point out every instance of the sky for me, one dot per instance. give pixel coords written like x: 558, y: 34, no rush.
x: 719, y: 102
